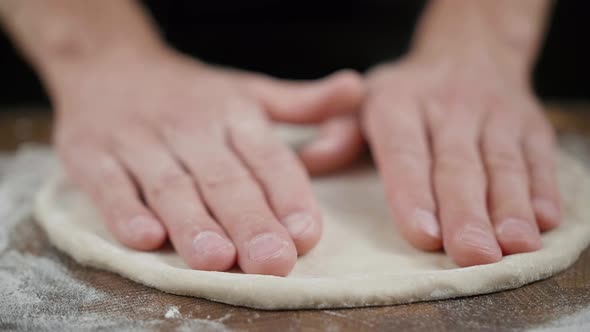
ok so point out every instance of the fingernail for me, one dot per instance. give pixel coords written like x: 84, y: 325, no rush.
x: 141, y: 226
x: 477, y: 237
x: 207, y: 242
x: 298, y: 224
x: 546, y: 209
x: 519, y: 231
x: 266, y: 246
x: 515, y: 228
x: 426, y: 222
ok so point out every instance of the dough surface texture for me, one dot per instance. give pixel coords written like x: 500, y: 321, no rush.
x: 360, y: 261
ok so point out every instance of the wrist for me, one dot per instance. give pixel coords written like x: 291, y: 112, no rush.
x: 63, y: 76
x: 504, y: 35
x: 60, y: 62
x: 478, y: 54
x: 63, y: 37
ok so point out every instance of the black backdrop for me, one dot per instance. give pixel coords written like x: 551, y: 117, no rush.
x: 308, y: 39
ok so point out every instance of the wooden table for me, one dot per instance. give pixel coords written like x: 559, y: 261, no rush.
x: 539, y: 304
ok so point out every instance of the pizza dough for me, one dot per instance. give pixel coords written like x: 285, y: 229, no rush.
x: 360, y: 261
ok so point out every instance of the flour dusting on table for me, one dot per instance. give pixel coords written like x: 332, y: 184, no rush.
x: 172, y: 313
x: 37, y: 292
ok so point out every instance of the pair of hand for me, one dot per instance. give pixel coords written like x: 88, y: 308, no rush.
x: 169, y: 148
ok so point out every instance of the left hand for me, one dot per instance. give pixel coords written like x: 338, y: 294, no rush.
x: 466, y: 155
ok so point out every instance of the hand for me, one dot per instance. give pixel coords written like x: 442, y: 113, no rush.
x: 466, y: 156
x: 167, y: 147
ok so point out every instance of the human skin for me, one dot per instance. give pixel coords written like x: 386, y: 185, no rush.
x: 464, y: 150
x: 137, y: 121
x: 170, y: 147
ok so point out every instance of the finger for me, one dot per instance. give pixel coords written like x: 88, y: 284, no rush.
x: 397, y: 135
x: 339, y: 143
x: 171, y: 193
x: 310, y: 102
x: 508, y: 194
x: 236, y: 201
x: 460, y: 185
x: 112, y: 191
x: 539, y: 148
x: 283, y: 178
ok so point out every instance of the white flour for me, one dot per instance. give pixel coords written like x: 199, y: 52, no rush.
x: 172, y: 313
x: 37, y: 293
x: 579, y: 321
x: 19, y: 179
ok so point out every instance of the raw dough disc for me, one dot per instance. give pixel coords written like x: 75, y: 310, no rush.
x: 360, y: 261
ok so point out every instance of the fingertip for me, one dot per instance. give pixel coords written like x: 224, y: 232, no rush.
x: 477, y: 256
x: 269, y: 254
x: 327, y: 154
x: 349, y: 80
x: 474, y: 245
x: 143, y: 233
x: 425, y: 232
x: 547, y: 213
x: 212, y: 252
x: 305, y: 230
x: 312, y: 101
x: 518, y: 236
x: 338, y: 145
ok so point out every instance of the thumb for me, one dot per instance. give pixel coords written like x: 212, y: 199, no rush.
x: 312, y: 101
x: 338, y: 145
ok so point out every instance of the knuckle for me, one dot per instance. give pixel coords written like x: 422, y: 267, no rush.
x: 181, y: 123
x: 407, y: 156
x: 505, y: 162
x: 222, y: 177
x: 270, y: 159
x: 168, y: 183
x: 107, y: 172
x: 103, y: 190
x: 448, y: 97
x: 458, y: 159
x: 252, y: 219
x: 454, y: 97
x: 120, y: 209
x: 457, y: 165
x: 105, y: 182
x: 543, y: 173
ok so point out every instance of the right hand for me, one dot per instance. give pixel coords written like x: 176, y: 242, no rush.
x: 167, y: 147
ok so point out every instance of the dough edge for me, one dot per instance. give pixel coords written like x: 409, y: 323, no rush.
x: 277, y: 293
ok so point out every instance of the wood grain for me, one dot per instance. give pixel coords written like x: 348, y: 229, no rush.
x: 536, y: 305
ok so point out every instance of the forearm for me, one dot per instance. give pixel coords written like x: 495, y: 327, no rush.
x: 56, y: 35
x: 510, y: 31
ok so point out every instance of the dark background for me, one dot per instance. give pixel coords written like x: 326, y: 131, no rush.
x: 307, y: 39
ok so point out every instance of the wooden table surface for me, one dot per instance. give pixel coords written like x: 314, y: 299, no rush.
x: 551, y: 302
